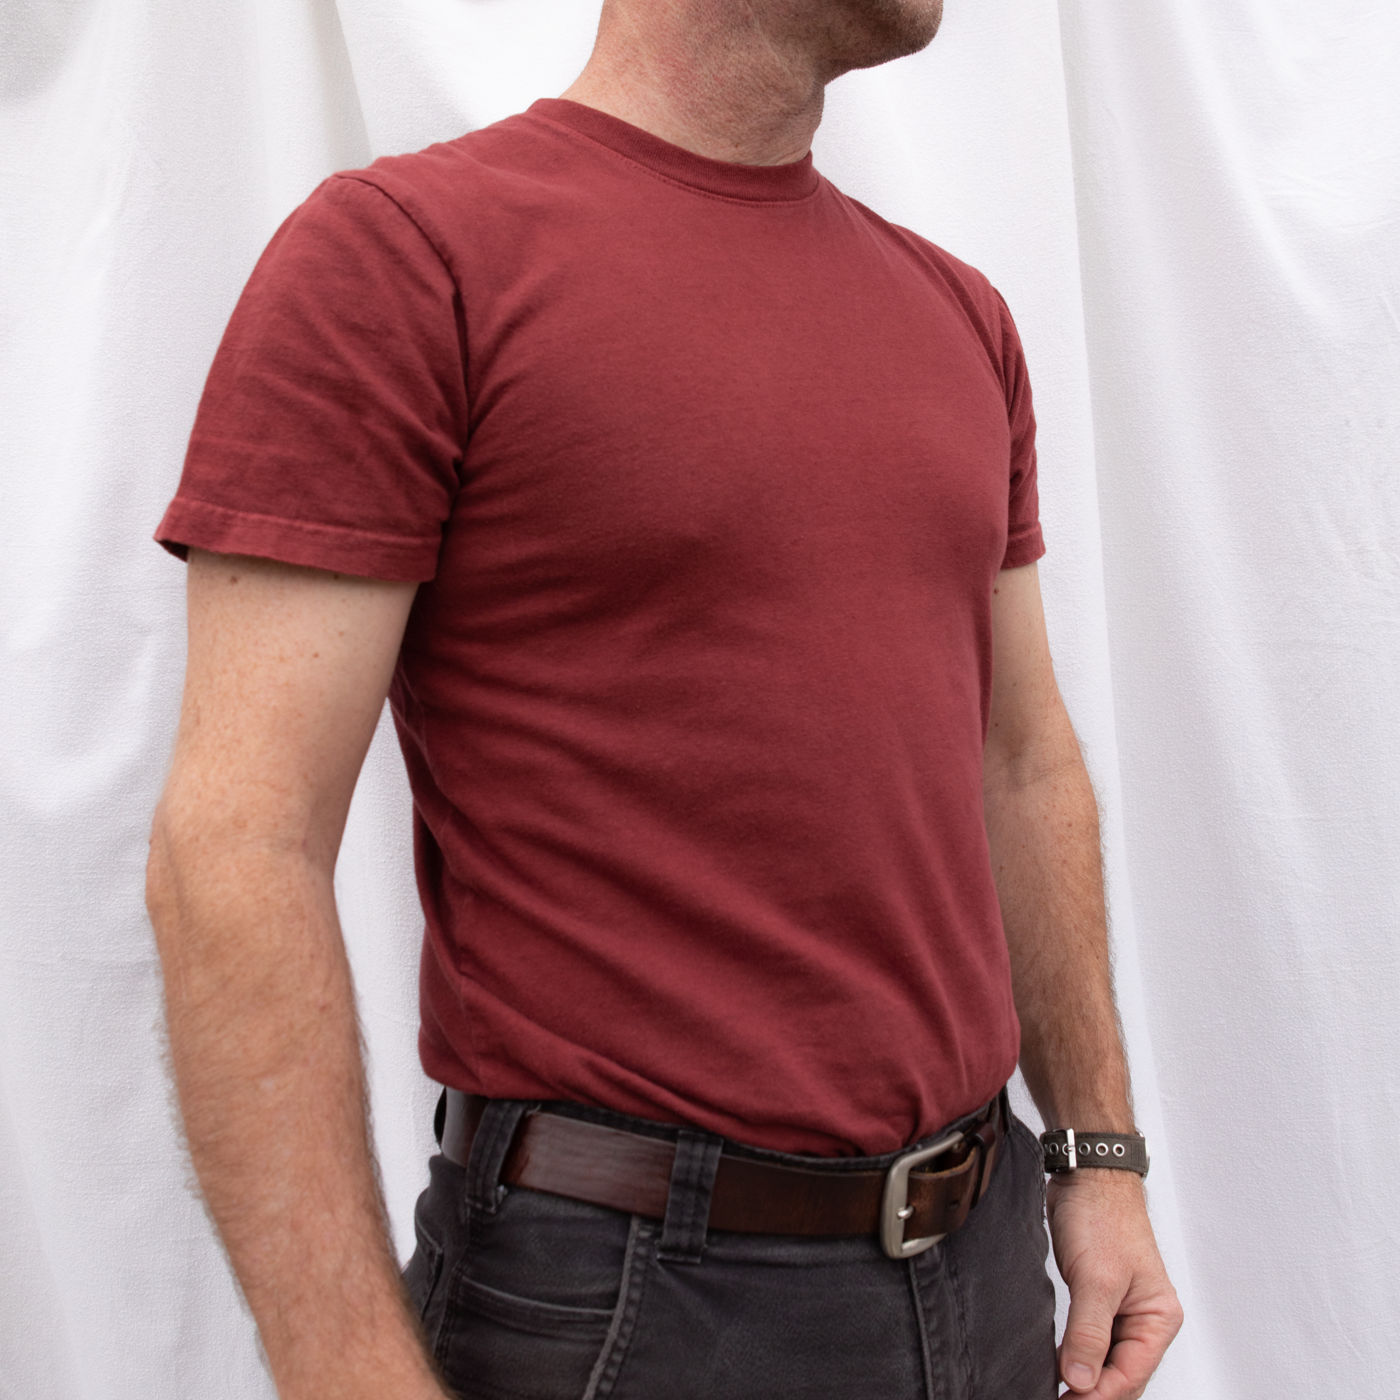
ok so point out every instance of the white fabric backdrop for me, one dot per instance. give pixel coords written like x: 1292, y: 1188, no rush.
x: 1194, y: 211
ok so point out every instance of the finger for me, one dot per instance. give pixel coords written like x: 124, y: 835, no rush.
x: 1113, y: 1384
x: 1088, y: 1334
x: 1130, y: 1363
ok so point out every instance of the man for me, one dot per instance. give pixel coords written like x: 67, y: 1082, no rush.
x: 686, y: 511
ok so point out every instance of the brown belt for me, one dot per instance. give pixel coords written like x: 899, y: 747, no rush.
x: 926, y: 1194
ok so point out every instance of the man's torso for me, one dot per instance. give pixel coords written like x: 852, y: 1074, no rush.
x: 708, y: 473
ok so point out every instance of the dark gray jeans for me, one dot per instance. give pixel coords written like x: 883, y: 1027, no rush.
x: 526, y: 1296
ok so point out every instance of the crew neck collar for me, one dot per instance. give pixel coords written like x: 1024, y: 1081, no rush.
x: 771, y: 183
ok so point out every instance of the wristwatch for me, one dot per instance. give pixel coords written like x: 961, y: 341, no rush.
x: 1067, y: 1151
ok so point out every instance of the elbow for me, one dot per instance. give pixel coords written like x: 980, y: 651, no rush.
x: 220, y: 877
x: 1048, y: 756
x: 180, y: 874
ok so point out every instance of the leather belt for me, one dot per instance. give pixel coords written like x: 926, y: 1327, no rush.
x: 924, y: 1195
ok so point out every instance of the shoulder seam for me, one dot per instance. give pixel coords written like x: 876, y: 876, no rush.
x: 432, y: 239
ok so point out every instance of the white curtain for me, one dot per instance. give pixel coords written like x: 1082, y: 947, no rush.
x: 1193, y: 208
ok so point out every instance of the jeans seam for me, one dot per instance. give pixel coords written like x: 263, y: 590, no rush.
x: 629, y: 1302
x: 921, y: 1323
x: 447, y: 1283
x: 436, y: 1254
x: 964, y: 1353
x: 475, y: 1224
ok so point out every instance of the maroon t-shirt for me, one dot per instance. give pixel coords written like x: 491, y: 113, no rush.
x: 706, y: 472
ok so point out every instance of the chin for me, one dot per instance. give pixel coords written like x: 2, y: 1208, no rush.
x: 875, y: 31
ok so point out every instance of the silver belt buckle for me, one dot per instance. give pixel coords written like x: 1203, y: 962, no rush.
x: 894, y: 1206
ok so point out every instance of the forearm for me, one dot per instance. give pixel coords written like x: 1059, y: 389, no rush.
x: 265, y: 1051
x: 1042, y: 825
x: 1043, y: 831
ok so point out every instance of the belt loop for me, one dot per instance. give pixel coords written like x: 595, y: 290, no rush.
x: 492, y: 1141
x: 688, y: 1201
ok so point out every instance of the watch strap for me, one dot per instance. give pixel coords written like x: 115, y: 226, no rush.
x: 1067, y: 1150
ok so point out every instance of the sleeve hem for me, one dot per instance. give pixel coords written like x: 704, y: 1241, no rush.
x: 1024, y: 547
x: 338, y: 548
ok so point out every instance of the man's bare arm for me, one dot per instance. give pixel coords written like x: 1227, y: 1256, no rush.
x: 1042, y: 823
x: 287, y: 673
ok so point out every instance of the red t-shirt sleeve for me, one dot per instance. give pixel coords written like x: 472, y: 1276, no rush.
x: 334, y: 418
x: 1024, y: 540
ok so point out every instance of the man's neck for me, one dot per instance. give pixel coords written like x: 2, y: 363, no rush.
x: 725, y: 79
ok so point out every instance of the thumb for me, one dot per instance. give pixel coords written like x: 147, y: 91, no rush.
x: 1088, y: 1335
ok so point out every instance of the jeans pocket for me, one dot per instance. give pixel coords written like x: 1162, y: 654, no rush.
x: 497, y: 1346
x: 540, y: 1299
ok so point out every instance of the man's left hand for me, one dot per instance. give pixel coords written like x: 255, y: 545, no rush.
x: 1123, y: 1310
